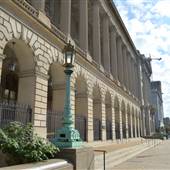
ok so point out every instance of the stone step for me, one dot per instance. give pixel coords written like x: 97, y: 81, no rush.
x: 116, y: 157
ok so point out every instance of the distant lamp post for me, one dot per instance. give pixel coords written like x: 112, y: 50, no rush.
x: 67, y: 136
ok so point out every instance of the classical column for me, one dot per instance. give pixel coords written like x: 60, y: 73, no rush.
x: 124, y: 68
x: 129, y: 71
x: 106, y: 46
x: 120, y: 62
x: 96, y: 33
x: 83, y: 25
x: 136, y: 81
x: 113, y: 56
x: 39, y: 5
x: 65, y: 20
x: 132, y: 77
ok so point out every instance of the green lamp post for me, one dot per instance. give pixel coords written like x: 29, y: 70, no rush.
x: 67, y: 136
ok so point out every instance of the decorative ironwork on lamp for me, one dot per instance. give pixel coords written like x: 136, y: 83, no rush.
x: 67, y: 136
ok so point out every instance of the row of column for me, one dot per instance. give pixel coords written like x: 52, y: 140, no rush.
x: 111, y: 53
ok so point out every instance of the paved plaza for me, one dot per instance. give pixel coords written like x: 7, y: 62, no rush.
x: 156, y: 158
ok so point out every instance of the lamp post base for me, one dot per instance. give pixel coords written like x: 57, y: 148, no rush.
x: 67, y: 137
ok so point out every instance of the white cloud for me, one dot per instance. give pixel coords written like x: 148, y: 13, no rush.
x: 143, y: 23
x: 162, y: 8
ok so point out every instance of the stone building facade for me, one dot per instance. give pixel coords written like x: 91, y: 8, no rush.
x: 106, y: 89
x: 147, y: 108
x: 157, y: 103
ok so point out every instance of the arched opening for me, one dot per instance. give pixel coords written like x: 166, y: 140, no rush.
x: 137, y: 124
x: 16, y: 91
x: 97, y: 113
x: 81, y: 107
x: 108, y: 106
x: 55, y: 98
x: 123, y: 111
x: 10, y: 76
x: 133, y: 120
x: 117, y: 118
x: 129, y: 121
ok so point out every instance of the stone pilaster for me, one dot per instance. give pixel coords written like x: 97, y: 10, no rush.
x: 65, y: 20
x: 83, y: 25
x: 2, y: 56
x: 103, y: 119
x: 96, y: 33
x: 35, y: 86
x: 106, y: 46
x: 58, y: 93
x: 90, y: 119
x: 127, y: 128
x: 121, y: 124
x: 113, y: 57
x: 113, y: 124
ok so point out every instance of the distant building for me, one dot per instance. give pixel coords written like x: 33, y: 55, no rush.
x: 157, y: 102
x: 148, y: 114
x: 166, y: 121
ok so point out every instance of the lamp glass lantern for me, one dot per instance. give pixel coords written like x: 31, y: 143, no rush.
x: 69, y: 55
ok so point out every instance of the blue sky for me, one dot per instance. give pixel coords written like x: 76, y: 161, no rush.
x: 148, y: 23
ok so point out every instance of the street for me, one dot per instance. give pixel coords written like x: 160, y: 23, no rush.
x: 156, y: 158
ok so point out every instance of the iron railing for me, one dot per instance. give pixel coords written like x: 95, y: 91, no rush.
x: 117, y: 130
x: 80, y: 125
x: 97, y: 129
x: 10, y: 112
x: 109, y: 129
x: 54, y: 122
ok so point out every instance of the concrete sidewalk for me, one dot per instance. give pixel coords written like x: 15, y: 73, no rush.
x: 157, y: 158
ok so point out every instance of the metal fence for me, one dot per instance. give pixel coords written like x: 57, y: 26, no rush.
x: 117, y: 130
x: 54, y: 122
x: 80, y: 125
x: 109, y: 129
x: 97, y: 129
x: 10, y: 112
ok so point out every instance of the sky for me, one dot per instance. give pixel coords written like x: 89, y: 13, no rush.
x: 148, y: 23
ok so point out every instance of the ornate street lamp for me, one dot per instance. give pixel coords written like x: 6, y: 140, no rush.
x: 67, y: 136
